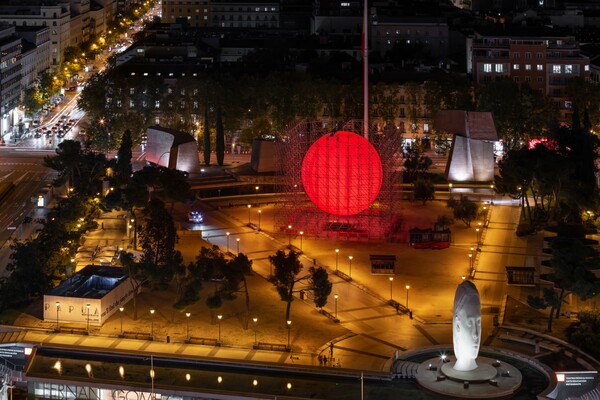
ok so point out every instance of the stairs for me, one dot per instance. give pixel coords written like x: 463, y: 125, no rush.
x: 405, y: 369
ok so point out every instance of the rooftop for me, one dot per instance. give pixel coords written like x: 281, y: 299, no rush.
x: 92, y: 282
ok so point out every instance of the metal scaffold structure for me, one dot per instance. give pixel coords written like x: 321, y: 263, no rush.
x: 341, y: 211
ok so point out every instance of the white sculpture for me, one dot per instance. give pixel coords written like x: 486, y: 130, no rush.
x: 466, y: 326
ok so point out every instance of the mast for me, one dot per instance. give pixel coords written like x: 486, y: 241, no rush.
x: 365, y: 57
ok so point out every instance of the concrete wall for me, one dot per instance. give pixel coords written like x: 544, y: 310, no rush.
x: 186, y: 158
x: 470, y: 160
x: 263, y: 156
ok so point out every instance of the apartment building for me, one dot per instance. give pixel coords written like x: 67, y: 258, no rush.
x: 536, y: 56
x: 36, y: 52
x: 10, y: 78
x: 222, y: 13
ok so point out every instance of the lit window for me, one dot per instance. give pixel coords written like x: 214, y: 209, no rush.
x: 586, y: 68
x: 568, y: 105
x: 487, y: 67
x: 516, y: 67
x: 426, y: 127
x: 527, y: 67
x: 556, y: 69
x: 568, y: 69
x: 540, y: 67
x: 499, y: 68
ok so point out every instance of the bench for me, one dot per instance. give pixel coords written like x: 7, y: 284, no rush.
x: 203, y: 341
x: 272, y: 346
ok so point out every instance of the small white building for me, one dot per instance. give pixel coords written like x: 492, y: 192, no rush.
x: 103, y: 288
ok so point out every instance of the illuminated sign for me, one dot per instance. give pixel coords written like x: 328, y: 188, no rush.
x: 574, y: 385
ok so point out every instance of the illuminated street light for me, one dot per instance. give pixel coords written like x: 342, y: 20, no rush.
x: 255, y: 320
x: 152, y: 324
x: 187, y: 325
x: 259, y: 212
x: 407, y: 288
x: 238, y: 245
x: 301, y: 234
x: 289, y: 235
x: 121, y: 309
x: 227, y: 233
x: 391, y: 286
x: 477, y: 233
x: 249, y: 208
x: 350, y: 266
x: 336, y: 296
x: 337, y: 253
x: 289, y: 327
x: 219, y: 317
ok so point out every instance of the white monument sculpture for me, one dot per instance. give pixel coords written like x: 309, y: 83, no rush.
x: 466, y: 326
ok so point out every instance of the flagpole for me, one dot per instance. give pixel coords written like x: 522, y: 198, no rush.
x: 365, y: 57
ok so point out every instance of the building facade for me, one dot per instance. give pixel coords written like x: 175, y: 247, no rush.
x: 537, y: 56
x: 10, y: 79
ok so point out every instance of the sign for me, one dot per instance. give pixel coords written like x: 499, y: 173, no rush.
x: 574, y: 385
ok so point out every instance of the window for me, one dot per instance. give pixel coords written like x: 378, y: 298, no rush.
x: 157, y: 104
x: 131, y: 103
x: 499, y: 68
x: 586, y: 67
x: 540, y: 67
x: 425, y: 127
x: 487, y: 67
x: 568, y: 104
x: 516, y: 79
x: 527, y: 55
x: 568, y: 69
x: 540, y: 55
x: 516, y: 67
x: 556, y: 69
x: 540, y: 79
x: 527, y: 67
x: 528, y: 79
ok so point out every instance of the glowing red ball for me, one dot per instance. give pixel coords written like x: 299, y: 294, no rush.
x: 341, y: 173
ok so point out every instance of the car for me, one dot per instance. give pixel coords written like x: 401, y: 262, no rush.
x: 195, y: 216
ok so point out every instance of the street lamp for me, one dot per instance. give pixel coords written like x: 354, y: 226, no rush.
x: 391, y: 286
x: 350, y: 269
x: 152, y: 324
x: 336, y: 296
x: 477, y: 233
x: 470, y: 260
x: 259, y: 212
x: 219, y: 317
x: 492, y: 190
x: 57, y: 311
x: 238, y: 245
x: 289, y: 326
x: 227, y: 233
x: 88, y: 318
x: 121, y: 309
x: 255, y: 320
x: 337, y: 253
x: 249, y: 208
x: 407, y: 287
x: 301, y: 233
x: 187, y: 327
x: 289, y: 235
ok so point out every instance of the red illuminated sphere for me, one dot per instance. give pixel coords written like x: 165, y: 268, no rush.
x: 341, y: 173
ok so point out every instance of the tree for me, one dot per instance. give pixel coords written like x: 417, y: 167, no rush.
x: 206, y: 139
x: 572, y: 263
x: 415, y: 163
x: 585, y: 333
x: 285, y: 276
x: 220, y: 139
x: 158, y: 238
x: 136, y: 274
x: 423, y: 190
x: 123, y: 168
x: 464, y: 209
x: 235, y: 274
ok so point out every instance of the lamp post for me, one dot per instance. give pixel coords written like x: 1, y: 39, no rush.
x: 57, y: 311
x: 391, y: 287
x: 350, y: 266
x: 259, y: 212
x: 87, y: 330
x: 219, y: 317
x: 227, y: 233
x: 407, y: 288
x: 337, y: 253
x: 477, y: 232
x: 335, y: 296
x: 289, y: 328
x: 238, y: 245
x: 301, y: 234
x: 187, y: 326
x: 289, y: 235
x: 121, y: 309
x: 255, y: 320
x: 492, y: 190
x: 152, y: 324
x: 249, y: 208
x: 470, y: 261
